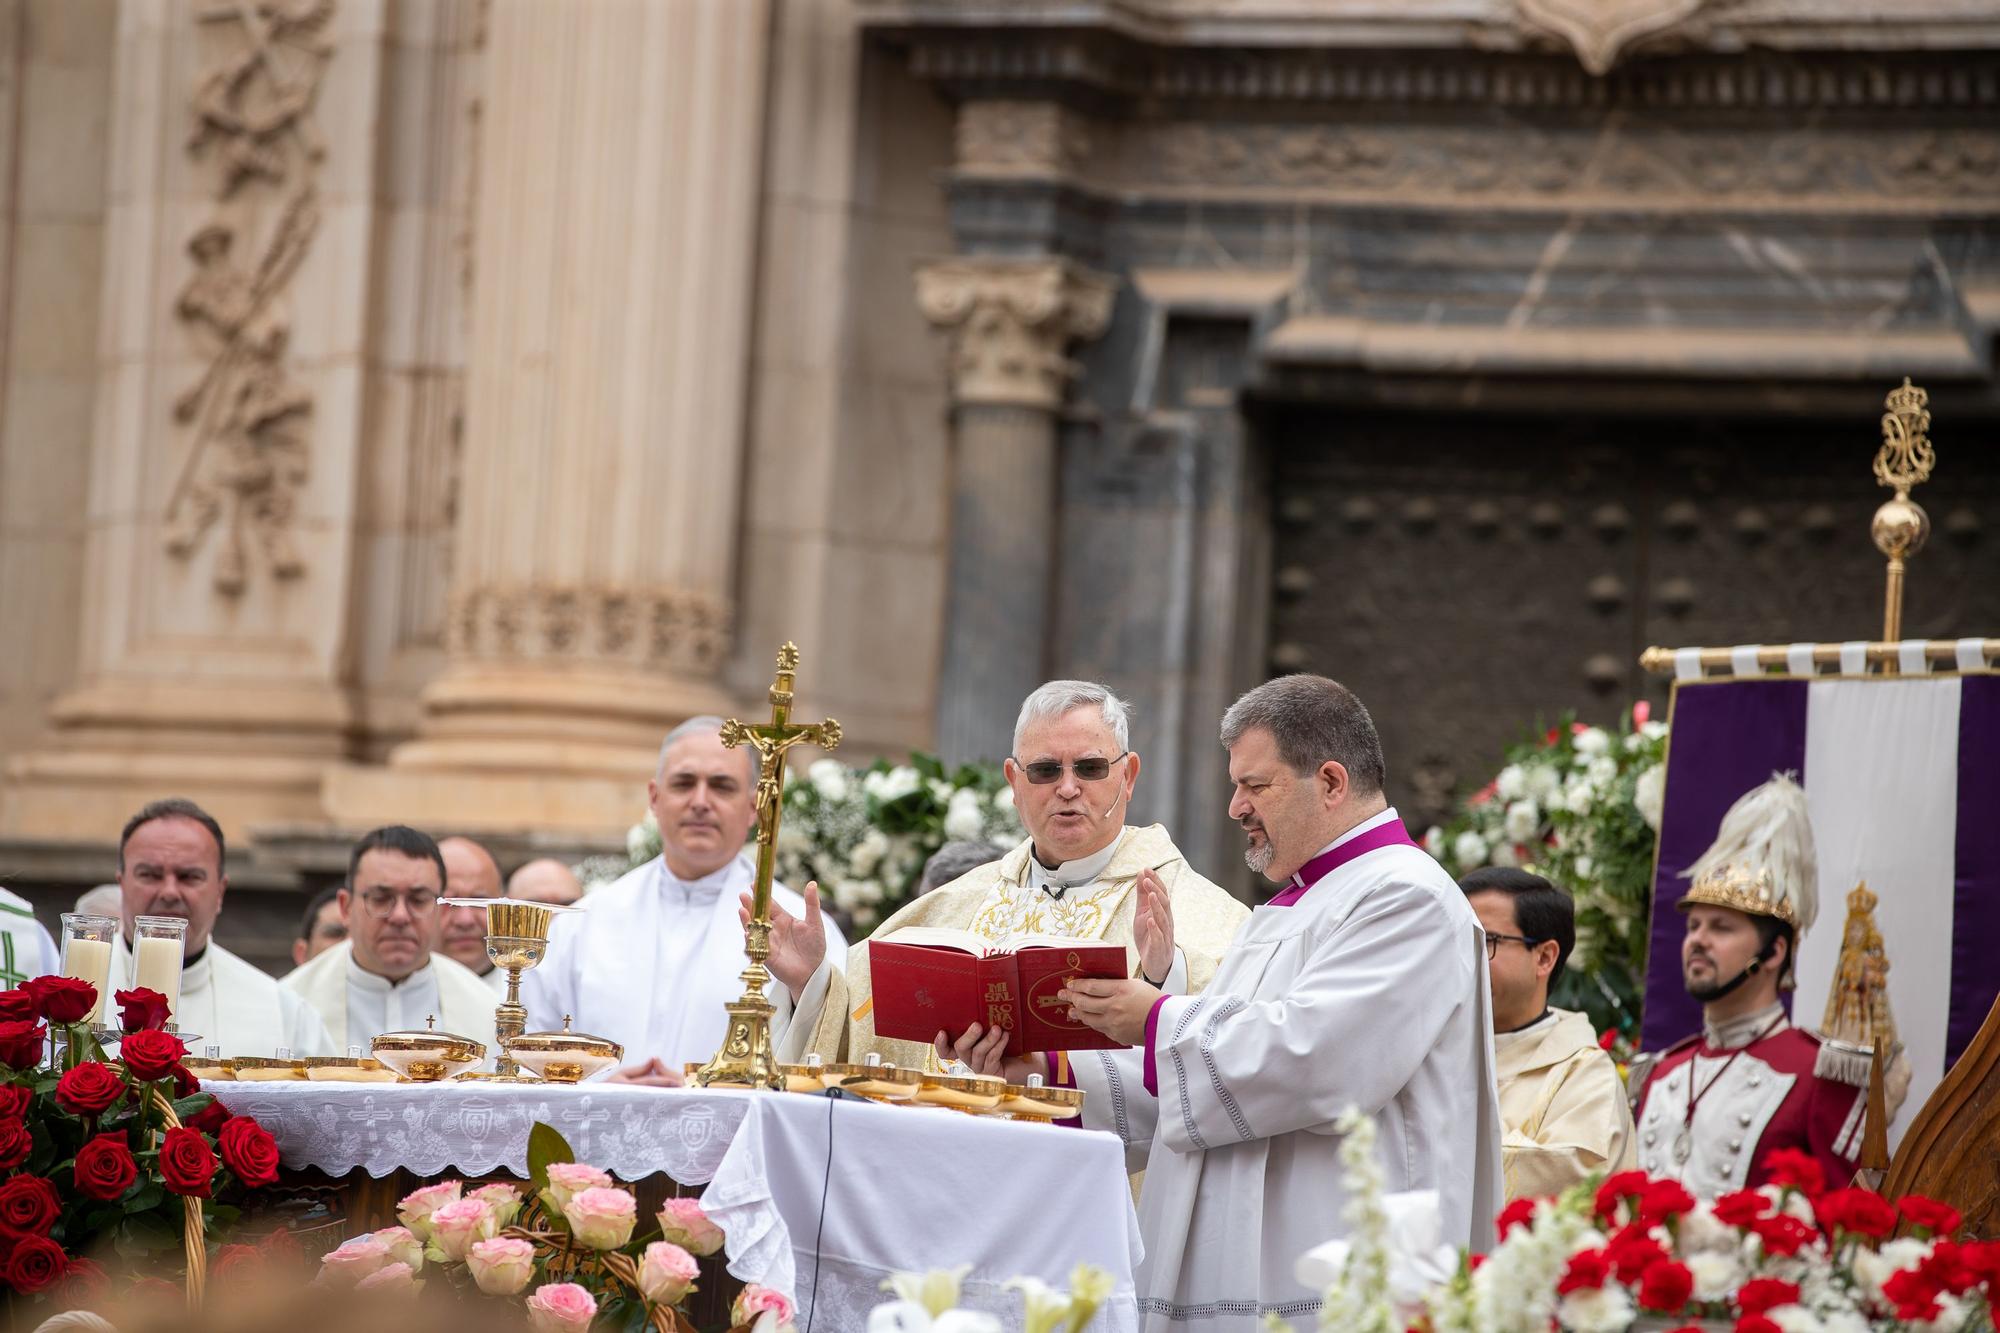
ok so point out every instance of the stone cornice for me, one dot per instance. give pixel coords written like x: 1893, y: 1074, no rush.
x: 1434, y: 51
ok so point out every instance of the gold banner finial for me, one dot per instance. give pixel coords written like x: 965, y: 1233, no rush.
x: 746, y: 1058
x: 1904, y: 460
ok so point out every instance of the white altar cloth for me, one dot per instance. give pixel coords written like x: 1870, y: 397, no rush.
x: 910, y: 1189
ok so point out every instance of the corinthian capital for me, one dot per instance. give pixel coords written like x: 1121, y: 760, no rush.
x: 1010, y: 321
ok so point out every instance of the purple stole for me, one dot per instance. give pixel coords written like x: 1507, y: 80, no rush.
x: 1391, y: 834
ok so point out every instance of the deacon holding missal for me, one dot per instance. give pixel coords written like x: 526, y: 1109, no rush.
x: 931, y: 978
x: 1082, y: 876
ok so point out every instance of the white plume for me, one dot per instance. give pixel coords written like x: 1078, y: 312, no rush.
x: 1770, y: 828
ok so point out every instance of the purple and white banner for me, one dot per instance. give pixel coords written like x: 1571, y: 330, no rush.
x: 1903, y: 778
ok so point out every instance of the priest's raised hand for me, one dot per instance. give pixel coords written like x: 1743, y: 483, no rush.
x: 1153, y: 928
x: 798, y: 943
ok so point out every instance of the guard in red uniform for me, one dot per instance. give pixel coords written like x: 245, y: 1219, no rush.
x: 1716, y: 1106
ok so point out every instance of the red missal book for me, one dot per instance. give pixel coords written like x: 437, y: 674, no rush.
x: 928, y: 980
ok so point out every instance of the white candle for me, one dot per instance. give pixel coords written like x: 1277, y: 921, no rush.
x: 156, y: 965
x: 90, y: 960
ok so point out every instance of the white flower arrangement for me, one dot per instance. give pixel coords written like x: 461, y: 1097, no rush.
x: 928, y: 1303
x: 1581, y: 806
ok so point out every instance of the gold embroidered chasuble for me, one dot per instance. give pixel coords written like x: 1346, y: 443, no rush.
x: 999, y: 899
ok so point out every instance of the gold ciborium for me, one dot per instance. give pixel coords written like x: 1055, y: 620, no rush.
x: 517, y: 938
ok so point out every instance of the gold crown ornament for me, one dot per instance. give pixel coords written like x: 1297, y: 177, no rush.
x: 1762, y: 860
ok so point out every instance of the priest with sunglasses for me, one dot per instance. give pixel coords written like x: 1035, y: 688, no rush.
x: 1083, y: 872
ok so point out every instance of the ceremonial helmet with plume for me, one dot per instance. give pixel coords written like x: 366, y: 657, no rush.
x: 1762, y: 861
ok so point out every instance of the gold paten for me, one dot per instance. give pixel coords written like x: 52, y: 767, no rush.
x: 878, y: 1083
x: 961, y: 1092
x: 1041, y: 1103
x: 264, y: 1069
x: 746, y: 1058
x: 347, y: 1069
x: 211, y: 1071
x: 423, y: 1057
x: 565, y: 1056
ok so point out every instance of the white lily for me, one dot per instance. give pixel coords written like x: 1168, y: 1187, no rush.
x: 1043, y: 1308
x: 936, y: 1291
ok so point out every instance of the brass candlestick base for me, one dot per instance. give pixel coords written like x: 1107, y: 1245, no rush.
x: 746, y: 1058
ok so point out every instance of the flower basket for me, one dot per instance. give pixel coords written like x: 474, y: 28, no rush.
x: 194, y: 1242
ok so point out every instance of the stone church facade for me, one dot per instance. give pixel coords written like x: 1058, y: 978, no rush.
x: 413, y: 408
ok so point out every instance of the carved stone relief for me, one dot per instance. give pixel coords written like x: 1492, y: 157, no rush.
x: 248, y: 454
x: 1009, y: 323
x: 1043, y: 138
x: 649, y: 628
x: 1598, y: 30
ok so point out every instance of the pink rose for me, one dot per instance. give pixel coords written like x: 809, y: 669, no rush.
x: 404, y: 1246
x: 457, y: 1225
x: 568, y: 1179
x: 561, y: 1307
x: 416, y: 1208
x: 601, y: 1218
x: 505, y: 1201
x: 666, y: 1273
x: 389, y: 1277
x: 501, y: 1266
x: 755, y: 1302
x: 354, y: 1260
x: 684, y: 1223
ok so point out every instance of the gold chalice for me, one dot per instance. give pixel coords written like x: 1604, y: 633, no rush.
x: 517, y: 938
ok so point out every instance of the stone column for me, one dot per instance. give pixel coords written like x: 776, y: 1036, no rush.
x: 1009, y: 324
x: 594, y: 562
x: 227, y: 422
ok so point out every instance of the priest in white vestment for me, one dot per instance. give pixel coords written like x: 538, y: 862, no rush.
x: 1082, y: 872
x: 1361, y: 984
x: 383, y: 977
x: 170, y: 863
x: 26, y: 948
x: 654, y: 956
x: 470, y: 872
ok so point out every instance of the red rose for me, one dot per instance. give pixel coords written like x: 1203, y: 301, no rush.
x: 1666, y: 1287
x: 1519, y: 1213
x: 28, y: 1206
x: 1783, y: 1234
x: 21, y: 1043
x: 1757, y: 1323
x: 18, y: 1006
x: 92, y: 1088
x: 153, y: 1291
x: 1663, y: 1199
x: 1741, y: 1208
x: 1983, y: 1258
x: 1861, y: 1212
x: 187, y: 1165
x: 1616, y: 1189
x: 1914, y: 1294
x: 86, y: 1284
x: 142, y: 1010
x: 150, y: 1056
x: 1765, y: 1293
x: 209, y: 1119
x: 14, y: 1101
x: 234, y: 1262
x: 62, y: 999
x: 1799, y: 1170
x: 104, y: 1167
x: 1939, y: 1219
x: 249, y: 1150
x: 1587, y: 1271
x: 1631, y: 1252
x: 281, y: 1248
x: 36, y: 1262
x: 15, y: 1144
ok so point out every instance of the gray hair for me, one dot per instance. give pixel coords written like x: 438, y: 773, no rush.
x: 954, y: 859
x: 1059, y: 698
x: 1313, y: 719
x: 707, y: 724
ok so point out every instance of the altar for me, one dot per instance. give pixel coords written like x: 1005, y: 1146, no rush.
x: 819, y: 1197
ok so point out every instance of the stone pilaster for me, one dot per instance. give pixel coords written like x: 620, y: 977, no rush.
x: 599, y: 497
x: 1009, y: 324
x: 227, y: 423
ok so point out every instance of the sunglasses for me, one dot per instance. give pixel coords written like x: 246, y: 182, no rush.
x: 1044, y: 771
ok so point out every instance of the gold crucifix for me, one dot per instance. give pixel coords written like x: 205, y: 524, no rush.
x: 746, y: 1058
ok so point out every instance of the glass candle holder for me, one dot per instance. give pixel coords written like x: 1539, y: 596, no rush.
x: 86, y: 955
x: 158, y: 945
